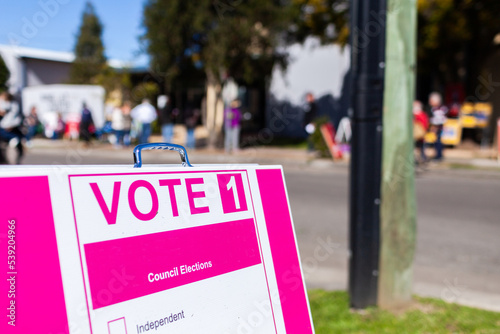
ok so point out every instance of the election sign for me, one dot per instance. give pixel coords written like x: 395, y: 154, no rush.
x: 116, y: 249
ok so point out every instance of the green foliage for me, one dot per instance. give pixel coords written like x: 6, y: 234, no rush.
x: 455, y: 37
x: 240, y: 38
x: 144, y: 90
x: 245, y: 39
x: 4, y: 75
x: 223, y: 38
x: 89, y: 49
x: 326, y: 19
x: 113, y: 80
x: 170, y: 26
x: 331, y: 314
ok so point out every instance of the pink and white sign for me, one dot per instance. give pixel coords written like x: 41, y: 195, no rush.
x: 110, y: 249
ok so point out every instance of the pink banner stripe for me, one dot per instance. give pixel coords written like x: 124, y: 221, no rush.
x: 37, y: 288
x: 128, y: 268
x: 284, y: 252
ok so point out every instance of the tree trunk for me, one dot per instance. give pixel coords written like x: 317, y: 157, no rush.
x: 210, y: 104
x: 215, y: 110
x: 398, y: 207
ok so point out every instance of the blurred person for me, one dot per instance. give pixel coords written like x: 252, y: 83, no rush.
x: 49, y: 122
x: 310, y: 114
x: 31, y: 122
x: 167, y: 118
x: 135, y: 130
x: 420, y: 127
x: 10, y: 124
x: 144, y: 114
x: 126, y: 110
x: 454, y: 110
x: 85, y: 122
x: 191, y: 116
x: 109, y: 108
x: 54, y: 125
x: 72, y: 128
x: 117, y: 125
x: 60, y: 127
x: 120, y: 123
x: 232, y: 120
x: 438, y: 118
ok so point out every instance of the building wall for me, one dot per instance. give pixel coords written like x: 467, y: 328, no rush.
x: 34, y: 67
x: 322, y: 70
x: 43, y: 72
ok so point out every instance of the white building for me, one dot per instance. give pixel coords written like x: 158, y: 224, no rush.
x: 313, y: 68
x: 43, y: 73
x: 36, y: 67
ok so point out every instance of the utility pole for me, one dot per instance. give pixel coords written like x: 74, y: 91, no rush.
x: 398, y: 208
x: 367, y: 80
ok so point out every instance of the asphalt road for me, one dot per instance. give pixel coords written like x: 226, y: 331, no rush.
x: 458, y: 241
x: 458, y: 232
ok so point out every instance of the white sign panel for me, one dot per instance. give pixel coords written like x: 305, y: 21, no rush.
x: 150, y: 250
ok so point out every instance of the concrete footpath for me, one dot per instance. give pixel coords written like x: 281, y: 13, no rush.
x: 77, y: 153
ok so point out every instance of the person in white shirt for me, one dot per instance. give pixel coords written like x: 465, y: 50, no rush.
x: 438, y: 118
x: 145, y: 114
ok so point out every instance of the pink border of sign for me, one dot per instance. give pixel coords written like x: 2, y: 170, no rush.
x: 161, y: 173
x: 284, y: 251
x: 39, y: 300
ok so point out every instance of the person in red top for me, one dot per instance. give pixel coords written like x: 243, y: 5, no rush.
x: 420, y: 126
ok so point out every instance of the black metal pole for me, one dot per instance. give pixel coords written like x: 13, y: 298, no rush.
x: 367, y: 89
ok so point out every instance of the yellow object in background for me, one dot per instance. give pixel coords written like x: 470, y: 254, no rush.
x: 452, y: 133
x: 467, y: 118
x: 483, y: 114
x: 467, y: 108
x: 475, y: 115
x: 468, y: 121
x: 430, y: 137
x: 472, y: 116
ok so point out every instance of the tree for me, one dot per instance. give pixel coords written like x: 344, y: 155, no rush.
x: 89, y: 49
x: 171, y: 28
x: 325, y: 19
x: 4, y: 74
x: 233, y: 36
x: 214, y: 40
x: 455, y: 38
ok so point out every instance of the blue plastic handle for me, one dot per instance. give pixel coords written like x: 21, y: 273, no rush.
x: 160, y: 146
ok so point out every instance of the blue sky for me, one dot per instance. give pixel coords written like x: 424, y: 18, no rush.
x: 53, y: 25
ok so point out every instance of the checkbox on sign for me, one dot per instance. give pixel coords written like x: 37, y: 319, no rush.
x: 117, y: 326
